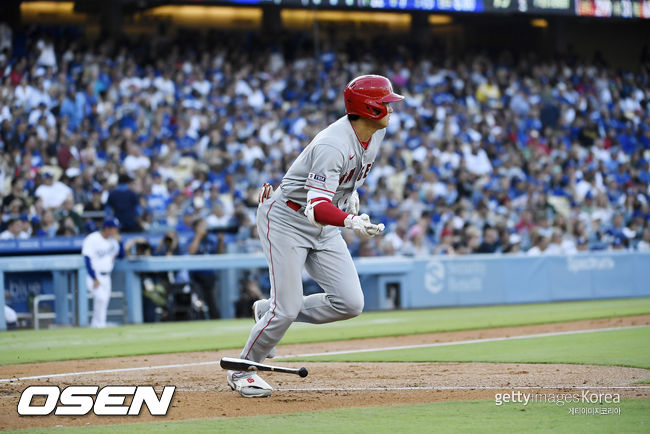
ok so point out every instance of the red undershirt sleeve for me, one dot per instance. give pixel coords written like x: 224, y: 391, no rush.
x: 326, y: 213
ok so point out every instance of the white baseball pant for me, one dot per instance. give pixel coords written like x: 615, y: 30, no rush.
x: 101, y: 298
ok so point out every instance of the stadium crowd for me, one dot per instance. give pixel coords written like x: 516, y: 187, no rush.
x: 488, y: 153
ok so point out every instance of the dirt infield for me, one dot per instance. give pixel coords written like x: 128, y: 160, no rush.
x: 202, y: 391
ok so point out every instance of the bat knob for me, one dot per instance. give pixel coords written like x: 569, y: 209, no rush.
x: 302, y: 372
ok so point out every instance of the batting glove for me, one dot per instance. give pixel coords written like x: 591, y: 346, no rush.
x: 353, y: 203
x: 361, y: 225
x: 265, y: 192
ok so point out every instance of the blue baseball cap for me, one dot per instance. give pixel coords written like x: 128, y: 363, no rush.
x: 111, y: 222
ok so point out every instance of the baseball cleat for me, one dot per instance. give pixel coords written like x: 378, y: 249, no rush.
x: 248, y: 384
x: 258, y: 312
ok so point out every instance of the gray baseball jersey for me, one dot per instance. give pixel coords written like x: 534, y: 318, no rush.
x: 333, y: 165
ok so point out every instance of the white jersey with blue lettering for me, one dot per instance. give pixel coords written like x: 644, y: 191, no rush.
x: 101, y: 251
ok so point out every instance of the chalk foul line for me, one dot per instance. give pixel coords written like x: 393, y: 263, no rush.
x: 467, y: 341
x: 331, y: 353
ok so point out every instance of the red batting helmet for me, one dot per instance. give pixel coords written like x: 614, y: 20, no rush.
x: 365, y: 96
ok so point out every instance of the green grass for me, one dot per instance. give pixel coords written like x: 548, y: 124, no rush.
x: 627, y: 347
x: 25, y: 346
x: 452, y: 417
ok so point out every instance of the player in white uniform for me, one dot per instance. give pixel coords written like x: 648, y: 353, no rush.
x: 299, y: 226
x: 100, y: 249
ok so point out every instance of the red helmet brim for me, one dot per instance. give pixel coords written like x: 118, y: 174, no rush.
x: 392, y: 97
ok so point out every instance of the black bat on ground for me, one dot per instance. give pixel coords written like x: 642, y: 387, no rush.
x: 247, y: 365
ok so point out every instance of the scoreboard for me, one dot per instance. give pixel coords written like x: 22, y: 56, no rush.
x: 584, y: 8
x: 562, y: 7
x: 407, y: 5
x: 615, y: 8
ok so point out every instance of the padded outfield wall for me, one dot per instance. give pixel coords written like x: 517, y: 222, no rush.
x: 388, y: 282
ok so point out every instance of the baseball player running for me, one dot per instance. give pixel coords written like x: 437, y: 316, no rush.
x: 298, y: 226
